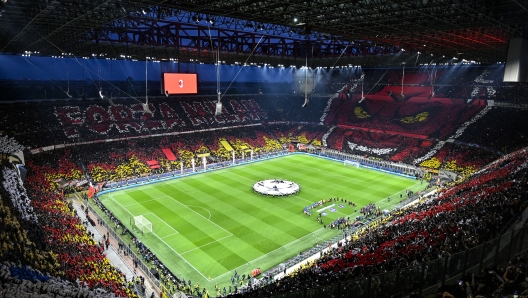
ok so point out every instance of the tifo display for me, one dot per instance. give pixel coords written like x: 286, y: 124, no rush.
x: 218, y: 213
x: 276, y: 187
x: 188, y: 196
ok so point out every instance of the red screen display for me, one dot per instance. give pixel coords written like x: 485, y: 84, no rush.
x: 180, y: 83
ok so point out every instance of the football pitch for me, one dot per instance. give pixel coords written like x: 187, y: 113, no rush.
x: 205, y: 226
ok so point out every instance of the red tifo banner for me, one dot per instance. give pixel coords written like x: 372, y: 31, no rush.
x: 168, y: 153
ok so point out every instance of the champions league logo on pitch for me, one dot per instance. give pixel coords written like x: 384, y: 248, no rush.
x: 276, y: 187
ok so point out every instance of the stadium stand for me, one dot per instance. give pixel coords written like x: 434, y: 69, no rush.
x: 48, y: 251
x: 41, y: 231
x: 454, y: 220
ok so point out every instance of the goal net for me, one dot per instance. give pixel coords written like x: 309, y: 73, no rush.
x: 351, y: 163
x: 142, y: 224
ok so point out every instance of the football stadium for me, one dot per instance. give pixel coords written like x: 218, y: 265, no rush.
x: 282, y: 149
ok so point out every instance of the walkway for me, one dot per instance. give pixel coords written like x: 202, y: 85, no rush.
x: 120, y: 261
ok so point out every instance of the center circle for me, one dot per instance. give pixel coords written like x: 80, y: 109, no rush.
x: 276, y: 187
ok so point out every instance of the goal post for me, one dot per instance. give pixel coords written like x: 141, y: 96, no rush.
x: 142, y: 224
x: 351, y: 163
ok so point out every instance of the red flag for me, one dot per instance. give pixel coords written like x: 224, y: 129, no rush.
x: 91, y: 191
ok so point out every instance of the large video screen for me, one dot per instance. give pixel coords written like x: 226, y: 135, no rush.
x: 180, y: 83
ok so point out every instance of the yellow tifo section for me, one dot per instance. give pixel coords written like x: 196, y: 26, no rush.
x: 226, y: 145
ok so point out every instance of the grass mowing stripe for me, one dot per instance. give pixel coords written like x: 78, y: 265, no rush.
x: 265, y: 230
x: 243, y: 208
x: 296, y: 171
x: 198, y: 247
x: 164, y: 242
x: 241, y: 229
x: 196, y: 229
x: 265, y: 203
x: 198, y: 214
x: 139, y: 203
x: 264, y: 241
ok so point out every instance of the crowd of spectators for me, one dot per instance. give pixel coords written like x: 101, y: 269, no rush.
x: 82, y: 258
x: 18, y: 281
x: 59, y: 214
x: 499, y: 281
x: 393, y: 147
x: 62, y: 122
x: 40, y: 229
x: 87, y: 152
x: 9, y: 145
x: 42, y: 126
x: 37, y: 263
x: 20, y: 240
x: 512, y: 92
x: 169, y: 279
x: 18, y: 195
x: 445, y: 82
x: 330, y: 81
x: 432, y: 118
x: 304, y: 134
x: 453, y: 220
x: 149, y: 257
x: 460, y: 158
x: 128, y: 159
x: 502, y: 129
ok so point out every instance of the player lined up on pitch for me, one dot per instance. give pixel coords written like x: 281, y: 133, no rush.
x: 308, y: 209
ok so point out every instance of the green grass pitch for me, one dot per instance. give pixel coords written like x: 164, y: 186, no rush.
x: 207, y: 225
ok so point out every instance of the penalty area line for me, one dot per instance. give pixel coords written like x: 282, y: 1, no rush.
x: 179, y: 255
x: 123, y: 207
x: 169, y: 235
x: 318, y: 231
x: 203, y: 209
x: 198, y: 247
x: 140, y: 203
x: 198, y: 213
x: 175, y: 231
x: 163, y: 241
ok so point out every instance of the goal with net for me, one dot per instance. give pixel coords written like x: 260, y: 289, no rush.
x: 142, y: 224
x: 351, y: 163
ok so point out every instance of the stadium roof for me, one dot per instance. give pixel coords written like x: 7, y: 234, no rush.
x: 287, y: 32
